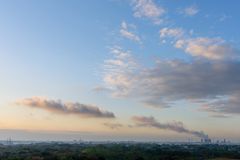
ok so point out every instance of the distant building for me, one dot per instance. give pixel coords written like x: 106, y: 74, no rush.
x: 206, y: 140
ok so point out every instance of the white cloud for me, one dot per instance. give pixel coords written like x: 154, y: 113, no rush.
x: 129, y: 35
x: 115, y: 69
x: 125, y: 32
x: 124, y: 25
x: 201, y: 47
x: 191, y: 10
x: 148, y: 9
x: 210, y: 48
x: 171, y: 32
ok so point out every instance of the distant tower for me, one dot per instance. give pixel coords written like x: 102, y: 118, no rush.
x: 9, y: 141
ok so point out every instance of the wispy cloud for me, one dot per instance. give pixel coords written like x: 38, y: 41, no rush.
x: 201, y: 47
x: 225, y: 105
x: 125, y: 32
x: 148, y: 9
x: 190, y: 11
x: 171, y: 32
x: 113, y: 125
x: 219, y: 115
x: 59, y: 107
x: 101, y: 89
x: 117, y: 71
x: 175, y: 126
x: 224, y: 17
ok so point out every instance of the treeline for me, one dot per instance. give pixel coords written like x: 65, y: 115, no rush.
x: 55, y: 151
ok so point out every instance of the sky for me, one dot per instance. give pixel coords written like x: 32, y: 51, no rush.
x: 144, y: 70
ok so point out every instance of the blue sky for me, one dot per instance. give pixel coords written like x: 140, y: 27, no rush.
x: 132, y: 69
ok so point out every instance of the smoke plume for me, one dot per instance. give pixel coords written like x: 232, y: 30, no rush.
x: 142, y: 121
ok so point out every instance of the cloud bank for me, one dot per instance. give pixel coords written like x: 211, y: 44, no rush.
x: 178, y: 127
x: 168, y: 81
x: 209, y: 77
x: 228, y: 105
x: 59, y: 107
